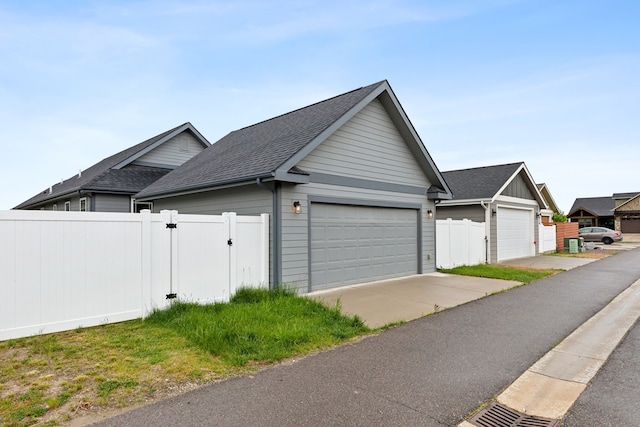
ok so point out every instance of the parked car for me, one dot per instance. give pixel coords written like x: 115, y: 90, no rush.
x: 600, y: 234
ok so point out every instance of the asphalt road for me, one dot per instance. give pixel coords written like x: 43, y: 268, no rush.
x: 432, y: 371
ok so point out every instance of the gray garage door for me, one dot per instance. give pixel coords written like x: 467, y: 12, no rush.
x: 356, y: 244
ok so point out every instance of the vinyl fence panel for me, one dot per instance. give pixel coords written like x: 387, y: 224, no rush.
x: 547, y: 237
x: 63, y: 270
x: 460, y: 242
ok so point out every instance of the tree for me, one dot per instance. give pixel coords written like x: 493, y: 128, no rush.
x: 559, y: 217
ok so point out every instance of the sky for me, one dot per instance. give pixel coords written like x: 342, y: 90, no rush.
x: 553, y: 83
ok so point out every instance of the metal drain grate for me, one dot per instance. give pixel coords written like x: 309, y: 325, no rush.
x: 497, y: 415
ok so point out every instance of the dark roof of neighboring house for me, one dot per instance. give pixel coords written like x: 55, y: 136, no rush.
x: 597, y: 206
x: 481, y: 182
x: 271, y: 148
x: 625, y: 195
x: 101, y: 176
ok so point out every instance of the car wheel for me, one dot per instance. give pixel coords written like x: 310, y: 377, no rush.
x: 607, y: 240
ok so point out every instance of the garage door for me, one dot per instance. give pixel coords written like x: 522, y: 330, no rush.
x: 630, y: 225
x: 356, y: 244
x: 515, y: 233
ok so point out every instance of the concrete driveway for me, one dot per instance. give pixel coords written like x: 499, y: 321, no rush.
x: 407, y: 298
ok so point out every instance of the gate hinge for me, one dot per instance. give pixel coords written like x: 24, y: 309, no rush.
x: 230, y: 242
x: 172, y: 225
x: 172, y: 296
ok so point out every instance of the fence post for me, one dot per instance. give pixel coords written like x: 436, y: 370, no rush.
x: 264, y: 250
x: 145, y: 287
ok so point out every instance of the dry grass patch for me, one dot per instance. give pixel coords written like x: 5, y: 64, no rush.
x: 49, y: 380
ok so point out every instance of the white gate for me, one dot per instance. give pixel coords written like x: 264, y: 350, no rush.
x: 64, y: 270
x: 460, y: 242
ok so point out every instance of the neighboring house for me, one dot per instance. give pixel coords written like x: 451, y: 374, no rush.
x: 627, y: 212
x: 109, y: 186
x: 504, y: 197
x: 593, y: 212
x: 552, y: 207
x: 349, y: 186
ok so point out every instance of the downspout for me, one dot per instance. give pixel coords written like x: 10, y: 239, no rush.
x: 276, y: 238
x: 486, y: 237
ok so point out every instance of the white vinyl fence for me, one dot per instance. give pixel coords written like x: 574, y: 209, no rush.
x: 64, y: 270
x: 547, y: 238
x: 460, y: 242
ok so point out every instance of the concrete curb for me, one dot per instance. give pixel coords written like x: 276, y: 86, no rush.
x: 551, y: 386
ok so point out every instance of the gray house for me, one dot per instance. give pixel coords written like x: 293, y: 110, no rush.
x: 348, y: 184
x: 109, y: 185
x: 506, y: 199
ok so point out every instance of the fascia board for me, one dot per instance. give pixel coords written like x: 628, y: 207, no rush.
x: 465, y: 202
x: 206, y: 187
x: 294, y: 178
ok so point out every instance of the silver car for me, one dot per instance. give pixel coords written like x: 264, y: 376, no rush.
x: 600, y: 234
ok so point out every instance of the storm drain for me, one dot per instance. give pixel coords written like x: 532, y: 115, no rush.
x: 497, y: 415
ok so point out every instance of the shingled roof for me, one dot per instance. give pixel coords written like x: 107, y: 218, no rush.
x: 597, y: 206
x: 271, y: 148
x: 113, y: 173
x: 479, y: 183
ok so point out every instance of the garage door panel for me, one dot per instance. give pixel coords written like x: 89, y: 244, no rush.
x: 364, y: 243
x: 514, y: 232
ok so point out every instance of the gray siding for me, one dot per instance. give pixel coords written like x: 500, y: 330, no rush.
x: 472, y: 212
x: 518, y: 188
x: 245, y: 200
x: 174, y: 152
x: 295, y: 243
x: 111, y: 203
x: 369, y: 146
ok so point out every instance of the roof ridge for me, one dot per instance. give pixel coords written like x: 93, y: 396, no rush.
x: 308, y: 106
x: 484, y: 167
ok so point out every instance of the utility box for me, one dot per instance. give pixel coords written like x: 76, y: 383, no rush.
x: 574, y: 246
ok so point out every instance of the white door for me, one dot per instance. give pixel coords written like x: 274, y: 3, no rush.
x: 356, y: 244
x: 515, y: 233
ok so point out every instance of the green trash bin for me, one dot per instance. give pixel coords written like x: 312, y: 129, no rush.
x: 573, y: 246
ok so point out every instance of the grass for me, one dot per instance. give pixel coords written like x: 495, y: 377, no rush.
x: 517, y: 274
x: 50, y: 379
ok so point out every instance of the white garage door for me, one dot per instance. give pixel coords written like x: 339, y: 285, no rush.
x: 356, y: 244
x: 515, y: 233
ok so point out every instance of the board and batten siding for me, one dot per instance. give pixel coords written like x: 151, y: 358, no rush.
x: 174, y: 152
x: 518, y: 188
x: 369, y: 146
x: 111, y: 203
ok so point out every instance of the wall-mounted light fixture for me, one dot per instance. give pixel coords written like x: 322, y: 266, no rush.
x: 429, y: 213
x: 493, y: 212
x: 297, y: 208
